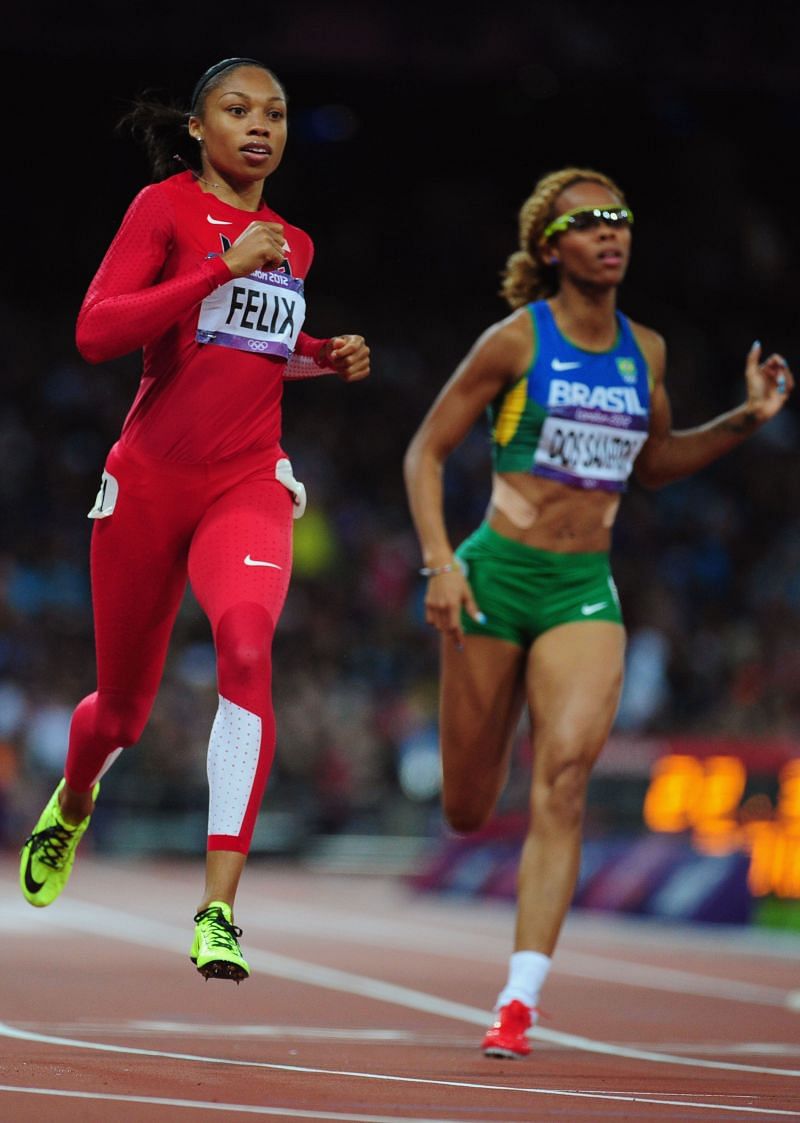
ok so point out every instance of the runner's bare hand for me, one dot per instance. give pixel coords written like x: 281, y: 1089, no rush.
x: 769, y: 383
x: 261, y: 246
x: 446, y: 595
x: 348, y: 355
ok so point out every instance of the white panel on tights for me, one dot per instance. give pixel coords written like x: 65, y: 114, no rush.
x: 107, y: 764
x: 232, y: 760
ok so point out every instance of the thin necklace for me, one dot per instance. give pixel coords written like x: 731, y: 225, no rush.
x: 189, y: 168
x: 202, y: 179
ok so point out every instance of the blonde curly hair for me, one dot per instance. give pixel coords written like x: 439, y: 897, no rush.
x: 526, y: 277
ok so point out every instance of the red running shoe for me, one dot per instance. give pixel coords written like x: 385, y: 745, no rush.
x: 508, y: 1037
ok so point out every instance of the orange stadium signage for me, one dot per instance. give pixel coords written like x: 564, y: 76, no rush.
x: 707, y: 797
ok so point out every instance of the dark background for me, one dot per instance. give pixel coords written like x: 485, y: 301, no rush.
x: 415, y: 134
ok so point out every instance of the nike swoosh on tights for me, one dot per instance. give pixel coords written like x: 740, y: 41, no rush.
x: 252, y: 561
x: 218, y: 221
x: 590, y: 609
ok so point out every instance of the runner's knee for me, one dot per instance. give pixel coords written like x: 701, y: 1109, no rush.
x: 466, y: 811
x: 559, y: 797
x: 244, y: 644
x: 465, y: 819
x: 116, y: 719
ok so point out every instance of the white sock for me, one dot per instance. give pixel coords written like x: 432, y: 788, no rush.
x: 527, y: 971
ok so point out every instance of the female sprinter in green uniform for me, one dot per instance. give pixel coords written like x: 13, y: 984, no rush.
x: 527, y: 608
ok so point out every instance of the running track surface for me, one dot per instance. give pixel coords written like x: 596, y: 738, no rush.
x: 367, y: 1003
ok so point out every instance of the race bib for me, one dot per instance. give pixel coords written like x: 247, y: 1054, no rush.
x: 261, y: 313
x: 589, y: 448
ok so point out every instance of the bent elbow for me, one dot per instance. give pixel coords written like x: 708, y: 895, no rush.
x: 649, y: 480
x: 411, y: 458
x: 409, y: 472
x: 90, y: 351
x: 92, y: 345
x: 86, y: 341
x: 652, y: 478
x: 649, y: 471
x: 419, y: 461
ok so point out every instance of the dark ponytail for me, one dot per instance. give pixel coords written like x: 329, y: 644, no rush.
x: 162, y: 129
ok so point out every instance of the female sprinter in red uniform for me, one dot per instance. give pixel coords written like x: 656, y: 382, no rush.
x: 208, y: 281
x: 526, y: 606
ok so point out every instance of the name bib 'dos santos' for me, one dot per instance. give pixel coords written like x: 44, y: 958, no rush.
x: 589, y: 448
x: 261, y: 313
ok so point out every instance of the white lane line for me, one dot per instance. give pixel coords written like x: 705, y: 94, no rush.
x: 598, y: 968
x: 224, y: 1032
x: 100, y: 920
x: 282, y: 1032
x: 714, y: 1048
x: 622, y: 1097
x: 624, y: 933
x: 242, y: 1109
x: 305, y: 921
x: 583, y: 965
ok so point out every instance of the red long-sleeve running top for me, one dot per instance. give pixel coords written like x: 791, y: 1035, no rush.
x: 196, y: 401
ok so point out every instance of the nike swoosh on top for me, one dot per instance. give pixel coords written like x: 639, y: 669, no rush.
x: 252, y: 561
x: 590, y: 609
x: 557, y: 364
x: 218, y: 221
x: 31, y: 884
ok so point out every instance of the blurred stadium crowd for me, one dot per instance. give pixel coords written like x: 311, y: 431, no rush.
x: 411, y: 195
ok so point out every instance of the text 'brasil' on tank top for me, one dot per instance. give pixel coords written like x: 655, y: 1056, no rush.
x: 580, y: 417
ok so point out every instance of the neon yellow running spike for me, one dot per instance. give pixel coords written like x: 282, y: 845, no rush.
x: 215, y: 948
x: 48, y: 853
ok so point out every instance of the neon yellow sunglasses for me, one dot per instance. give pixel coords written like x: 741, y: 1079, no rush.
x: 586, y: 218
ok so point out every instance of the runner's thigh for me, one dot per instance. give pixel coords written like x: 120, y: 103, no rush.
x: 482, y: 693
x: 138, y: 570
x: 241, y: 551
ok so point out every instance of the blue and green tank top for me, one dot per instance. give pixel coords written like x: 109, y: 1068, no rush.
x: 580, y: 417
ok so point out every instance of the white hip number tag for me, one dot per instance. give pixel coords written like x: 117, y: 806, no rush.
x: 285, y: 475
x: 106, y: 499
